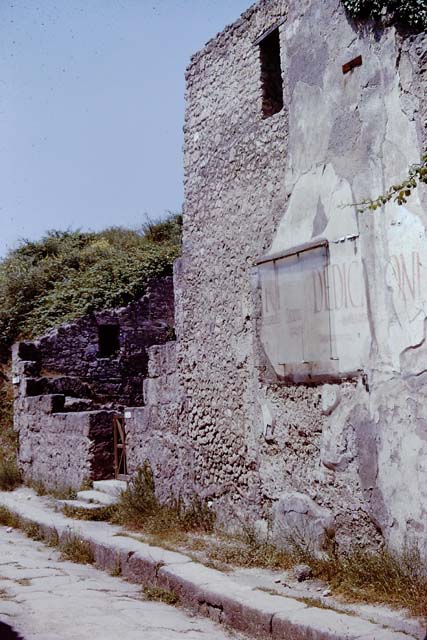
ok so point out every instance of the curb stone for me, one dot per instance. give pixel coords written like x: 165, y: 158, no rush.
x: 207, y: 591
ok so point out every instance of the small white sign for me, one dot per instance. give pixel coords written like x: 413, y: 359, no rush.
x: 16, y: 379
x: 128, y: 414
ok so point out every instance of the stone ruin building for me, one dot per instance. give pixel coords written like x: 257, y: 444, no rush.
x: 294, y: 393
x: 72, y: 383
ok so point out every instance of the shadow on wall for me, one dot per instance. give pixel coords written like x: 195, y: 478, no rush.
x: 7, y: 633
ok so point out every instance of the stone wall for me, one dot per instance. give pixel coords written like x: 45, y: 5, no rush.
x: 68, y: 387
x: 62, y: 449
x: 348, y: 457
x: 73, y: 351
x: 155, y: 432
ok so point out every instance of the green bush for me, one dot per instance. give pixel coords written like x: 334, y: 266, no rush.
x: 68, y: 274
x: 409, y: 12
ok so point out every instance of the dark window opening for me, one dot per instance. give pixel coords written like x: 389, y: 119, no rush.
x: 108, y: 340
x: 271, y: 74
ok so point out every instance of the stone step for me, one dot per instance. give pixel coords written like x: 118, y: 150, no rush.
x: 80, y: 504
x: 96, y: 496
x: 111, y: 487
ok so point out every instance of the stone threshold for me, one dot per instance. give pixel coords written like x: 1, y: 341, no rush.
x: 206, y: 591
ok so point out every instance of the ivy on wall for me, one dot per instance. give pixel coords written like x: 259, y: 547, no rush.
x: 408, y: 12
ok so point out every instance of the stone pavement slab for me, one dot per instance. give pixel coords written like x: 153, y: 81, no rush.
x: 206, y: 590
x: 45, y: 598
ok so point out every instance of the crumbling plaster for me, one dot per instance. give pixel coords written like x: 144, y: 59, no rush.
x: 254, y: 187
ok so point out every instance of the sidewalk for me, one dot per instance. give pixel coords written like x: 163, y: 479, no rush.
x: 228, y: 599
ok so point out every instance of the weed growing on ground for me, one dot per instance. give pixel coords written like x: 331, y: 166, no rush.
x: 52, y: 538
x: 59, y: 492
x: 321, y: 604
x: 33, y: 531
x: 86, y: 485
x: 395, y: 578
x: 75, y: 549
x: 101, y: 513
x: 248, y: 550
x: 116, y: 570
x: 10, y: 478
x: 9, y: 519
x: 38, y: 486
x: 63, y: 493
x: 139, y: 508
x: 160, y: 595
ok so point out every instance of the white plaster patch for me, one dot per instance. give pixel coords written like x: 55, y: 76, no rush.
x: 330, y: 398
x: 321, y: 183
x: 406, y: 277
x: 268, y: 420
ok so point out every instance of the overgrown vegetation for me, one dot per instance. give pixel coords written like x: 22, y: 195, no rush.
x: 139, y: 508
x: 246, y: 549
x: 68, y: 274
x: 8, y: 518
x: 10, y: 477
x: 407, y: 12
x: 395, y: 578
x: 7, y: 436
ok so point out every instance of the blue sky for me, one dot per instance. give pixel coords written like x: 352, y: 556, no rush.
x: 92, y: 108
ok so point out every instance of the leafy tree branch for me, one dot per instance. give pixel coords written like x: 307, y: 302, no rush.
x: 408, y: 12
x: 399, y: 192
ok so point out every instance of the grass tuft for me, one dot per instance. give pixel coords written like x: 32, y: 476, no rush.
x: 8, y: 518
x: 75, y: 549
x: 87, y: 484
x: 116, y: 570
x: 394, y: 578
x: 160, y: 595
x: 248, y: 550
x: 139, y: 508
x: 33, y: 531
x: 58, y: 492
x: 102, y: 513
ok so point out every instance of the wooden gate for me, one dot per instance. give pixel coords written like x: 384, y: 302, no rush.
x: 120, y: 466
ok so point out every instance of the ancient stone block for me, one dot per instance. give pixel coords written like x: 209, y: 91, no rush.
x: 299, y: 520
x: 162, y: 359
